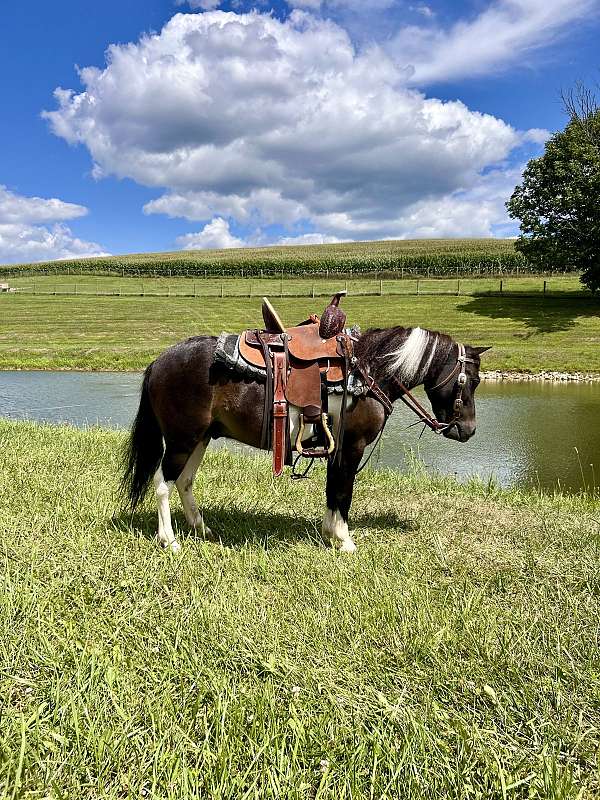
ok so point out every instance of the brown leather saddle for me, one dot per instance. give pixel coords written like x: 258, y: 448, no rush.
x: 299, y: 364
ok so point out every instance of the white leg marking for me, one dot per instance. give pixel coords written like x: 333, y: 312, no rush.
x: 185, y: 487
x: 335, y: 530
x: 166, y: 537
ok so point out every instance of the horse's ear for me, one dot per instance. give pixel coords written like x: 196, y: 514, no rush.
x: 480, y: 350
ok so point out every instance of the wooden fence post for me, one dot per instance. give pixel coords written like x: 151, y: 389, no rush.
x: 380, y: 287
x: 500, y: 285
x: 458, y: 287
x: 544, y: 288
x: 222, y: 289
x: 417, y: 286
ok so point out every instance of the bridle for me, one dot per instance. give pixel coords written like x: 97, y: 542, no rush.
x: 461, y: 380
x: 458, y: 374
x: 373, y: 388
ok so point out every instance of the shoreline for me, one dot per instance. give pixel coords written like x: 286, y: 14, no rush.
x: 550, y: 376
x: 492, y: 376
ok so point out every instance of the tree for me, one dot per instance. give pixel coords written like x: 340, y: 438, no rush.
x: 558, y: 202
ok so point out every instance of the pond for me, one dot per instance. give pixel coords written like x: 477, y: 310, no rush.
x: 528, y: 434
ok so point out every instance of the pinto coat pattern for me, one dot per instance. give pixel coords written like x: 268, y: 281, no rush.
x: 187, y: 400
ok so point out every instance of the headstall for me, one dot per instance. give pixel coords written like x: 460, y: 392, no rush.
x: 458, y: 372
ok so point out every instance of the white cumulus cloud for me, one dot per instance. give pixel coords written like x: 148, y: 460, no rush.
x: 263, y: 121
x: 23, y: 240
x: 501, y: 35
x: 214, y: 235
x: 15, y: 208
x: 308, y: 238
x: 22, y: 243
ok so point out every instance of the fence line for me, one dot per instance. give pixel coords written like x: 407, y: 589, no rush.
x: 221, y: 290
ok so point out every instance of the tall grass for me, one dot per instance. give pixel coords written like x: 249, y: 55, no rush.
x: 455, y: 656
x: 424, y: 257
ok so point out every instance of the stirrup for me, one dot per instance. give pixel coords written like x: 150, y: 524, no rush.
x: 315, y: 452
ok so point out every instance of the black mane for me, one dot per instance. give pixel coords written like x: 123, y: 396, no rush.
x: 376, y: 345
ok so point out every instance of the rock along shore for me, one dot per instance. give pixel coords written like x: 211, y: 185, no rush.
x: 553, y: 377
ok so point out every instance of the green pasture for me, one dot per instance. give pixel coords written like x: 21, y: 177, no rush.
x: 98, y: 329
x: 455, y: 655
x: 87, y: 285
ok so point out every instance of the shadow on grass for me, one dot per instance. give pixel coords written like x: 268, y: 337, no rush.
x: 538, y: 314
x: 234, y: 528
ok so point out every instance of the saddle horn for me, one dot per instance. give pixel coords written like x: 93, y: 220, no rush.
x: 333, y: 318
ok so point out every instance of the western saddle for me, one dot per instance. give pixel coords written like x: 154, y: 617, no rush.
x: 299, y: 365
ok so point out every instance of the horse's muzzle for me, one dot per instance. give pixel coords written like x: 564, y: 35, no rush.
x: 459, y: 431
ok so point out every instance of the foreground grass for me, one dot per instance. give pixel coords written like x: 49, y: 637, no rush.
x: 456, y: 655
x: 83, y: 332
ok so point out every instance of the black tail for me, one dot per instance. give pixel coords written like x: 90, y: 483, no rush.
x: 143, y: 449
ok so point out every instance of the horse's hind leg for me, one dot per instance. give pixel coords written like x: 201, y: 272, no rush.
x: 185, y: 486
x: 163, y: 488
x: 171, y: 467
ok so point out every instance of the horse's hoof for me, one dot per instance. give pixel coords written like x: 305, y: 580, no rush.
x: 201, y: 527
x: 348, y: 546
x: 173, y: 547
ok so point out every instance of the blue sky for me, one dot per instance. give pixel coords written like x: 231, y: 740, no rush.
x: 299, y: 122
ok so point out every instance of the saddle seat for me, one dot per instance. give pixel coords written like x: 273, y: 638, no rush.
x: 297, y: 362
x: 303, y: 345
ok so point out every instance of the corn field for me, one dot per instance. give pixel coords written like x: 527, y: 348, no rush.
x: 398, y: 259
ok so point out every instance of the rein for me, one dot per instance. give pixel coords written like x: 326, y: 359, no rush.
x: 458, y: 372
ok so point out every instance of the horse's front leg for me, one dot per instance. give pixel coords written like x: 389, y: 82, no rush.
x: 340, y: 485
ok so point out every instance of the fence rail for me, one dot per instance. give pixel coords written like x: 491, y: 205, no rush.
x: 282, y: 288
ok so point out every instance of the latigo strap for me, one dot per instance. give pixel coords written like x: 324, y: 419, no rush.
x: 280, y: 408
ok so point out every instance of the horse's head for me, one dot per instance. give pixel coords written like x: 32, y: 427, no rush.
x: 451, y: 392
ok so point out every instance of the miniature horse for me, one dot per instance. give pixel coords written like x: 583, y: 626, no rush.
x: 187, y: 400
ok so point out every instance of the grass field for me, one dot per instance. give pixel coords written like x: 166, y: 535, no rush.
x: 528, y: 333
x: 455, y: 655
x: 428, y: 256
x: 294, y: 287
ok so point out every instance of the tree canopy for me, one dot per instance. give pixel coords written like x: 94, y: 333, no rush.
x: 558, y: 202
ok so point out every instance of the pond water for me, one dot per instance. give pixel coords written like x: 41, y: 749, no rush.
x: 541, y: 434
